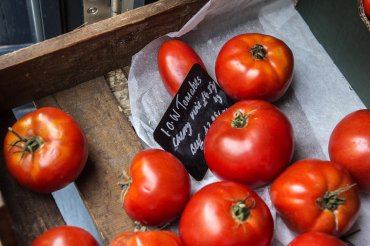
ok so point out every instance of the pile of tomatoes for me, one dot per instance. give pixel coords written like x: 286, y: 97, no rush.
x: 250, y: 145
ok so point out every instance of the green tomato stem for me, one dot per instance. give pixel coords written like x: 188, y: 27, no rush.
x: 241, y: 209
x: 240, y: 120
x: 258, y: 52
x: 331, y: 199
x: 125, y: 184
x: 31, y: 145
x: 331, y: 202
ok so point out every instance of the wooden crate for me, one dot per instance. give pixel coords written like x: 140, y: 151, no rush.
x: 68, y: 72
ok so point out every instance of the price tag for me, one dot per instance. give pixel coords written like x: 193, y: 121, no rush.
x: 185, y: 123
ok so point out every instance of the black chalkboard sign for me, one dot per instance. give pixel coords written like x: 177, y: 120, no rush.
x: 185, y: 123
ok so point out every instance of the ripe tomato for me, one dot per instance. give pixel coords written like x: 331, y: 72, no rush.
x: 255, y: 66
x: 65, y: 236
x: 349, y: 145
x: 315, y: 195
x: 366, y: 4
x: 175, y: 59
x: 251, y: 142
x: 45, y: 150
x: 317, y: 239
x: 158, y: 189
x: 147, y: 238
x: 226, y: 213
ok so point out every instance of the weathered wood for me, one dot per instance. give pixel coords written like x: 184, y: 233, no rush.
x: 112, y: 145
x: 31, y: 213
x: 7, y: 235
x: 118, y: 83
x: 86, y: 53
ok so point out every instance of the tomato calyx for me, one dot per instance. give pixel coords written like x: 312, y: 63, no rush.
x: 138, y: 227
x: 240, y: 120
x: 31, y: 145
x: 241, y: 209
x: 125, y: 184
x: 258, y: 52
x: 331, y: 201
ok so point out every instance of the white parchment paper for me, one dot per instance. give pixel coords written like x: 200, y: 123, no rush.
x: 318, y: 99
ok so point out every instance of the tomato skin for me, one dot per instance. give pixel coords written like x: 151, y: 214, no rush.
x: 349, y: 145
x: 366, y: 4
x: 159, y: 190
x: 242, y: 76
x: 147, y: 238
x: 65, y: 236
x: 208, y: 218
x: 296, y: 195
x: 317, y: 239
x: 175, y: 59
x: 254, y: 154
x: 60, y: 159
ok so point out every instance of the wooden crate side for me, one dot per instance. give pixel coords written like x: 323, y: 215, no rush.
x: 7, y: 234
x: 112, y: 145
x: 88, y: 52
x: 31, y: 213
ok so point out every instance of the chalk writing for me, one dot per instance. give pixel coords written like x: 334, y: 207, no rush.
x: 183, y: 127
x: 182, y: 134
x: 196, y: 145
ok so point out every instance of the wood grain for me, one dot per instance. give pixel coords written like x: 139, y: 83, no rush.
x: 31, y: 213
x: 112, y: 145
x: 7, y: 234
x: 86, y: 53
x: 118, y: 83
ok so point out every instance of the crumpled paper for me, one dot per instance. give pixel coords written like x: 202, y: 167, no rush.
x: 317, y: 100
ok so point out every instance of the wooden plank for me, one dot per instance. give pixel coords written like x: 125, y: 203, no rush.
x: 7, y: 235
x: 118, y: 83
x: 112, y: 145
x: 86, y: 53
x: 31, y: 213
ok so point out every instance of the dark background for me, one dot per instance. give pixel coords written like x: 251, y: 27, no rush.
x: 58, y: 16
x: 337, y: 25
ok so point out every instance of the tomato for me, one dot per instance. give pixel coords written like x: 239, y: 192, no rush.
x: 45, y: 150
x: 255, y: 66
x: 251, y: 142
x: 316, y: 195
x: 175, y: 59
x: 349, y: 145
x: 317, y: 239
x: 366, y: 4
x: 65, y: 236
x: 146, y: 238
x: 158, y: 189
x: 226, y: 213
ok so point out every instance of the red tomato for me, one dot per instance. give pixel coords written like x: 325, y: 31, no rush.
x: 45, y: 150
x: 255, y: 66
x: 147, y: 238
x: 159, y: 188
x: 226, y: 213
x: 315, y: 195
x: 349, y: 145
x: 175, y: 59
x: 251, y: 142
x: 317, y: 239
x: 366, y: 4
x: 65, y: 236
